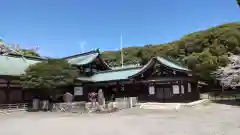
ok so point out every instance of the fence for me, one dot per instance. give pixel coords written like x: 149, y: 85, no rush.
x: 13, y: 107
x: 126, y: 102
x: 121, y: 103
x: 226, y: 95
x: 69, y: 107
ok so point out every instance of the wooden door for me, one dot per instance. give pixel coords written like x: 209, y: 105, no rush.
x: 163, y: 93
x: 167, y: 93
x: 160, y: 94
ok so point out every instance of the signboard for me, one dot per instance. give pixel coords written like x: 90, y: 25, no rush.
x: 176, y: 89
x: 78, y: 91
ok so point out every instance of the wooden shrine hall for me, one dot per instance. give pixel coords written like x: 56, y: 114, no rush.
x: 160, y: 80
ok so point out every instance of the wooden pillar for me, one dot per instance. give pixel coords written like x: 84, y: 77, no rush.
x: 7, y: 92
x: 23, y: 95
x: 180, y: 89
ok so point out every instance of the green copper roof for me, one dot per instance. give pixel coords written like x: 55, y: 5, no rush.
x: 120, y: 74
x: 171, y: 64
x: 164, y: 62
x: 84, y: 59
x: 125, y: 67
x: 15, y: 65
x: 126, y: 73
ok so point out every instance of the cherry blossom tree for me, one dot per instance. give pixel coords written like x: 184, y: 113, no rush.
x: 229, y: 76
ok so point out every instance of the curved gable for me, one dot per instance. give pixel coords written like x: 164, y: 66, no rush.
x: 171, y: 64
x: 86, y: 58
x: 164, y: 62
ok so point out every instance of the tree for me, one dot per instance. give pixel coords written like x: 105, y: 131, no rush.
x: 202, y: 51
x: 47, y: 75
x: 229, y: 76
x: 145, y: 55
x: 29, y: 52
x: 238, y: 2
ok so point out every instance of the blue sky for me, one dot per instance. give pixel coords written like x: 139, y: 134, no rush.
x: 59, y: 27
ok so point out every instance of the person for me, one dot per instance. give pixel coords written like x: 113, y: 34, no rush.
x: 50, y: 107
x: 112, y: 97
x: 92, y: 96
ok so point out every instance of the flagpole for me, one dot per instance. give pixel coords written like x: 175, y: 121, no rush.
x: 121, y: 51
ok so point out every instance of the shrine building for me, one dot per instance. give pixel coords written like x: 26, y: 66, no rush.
x: 160, y: 80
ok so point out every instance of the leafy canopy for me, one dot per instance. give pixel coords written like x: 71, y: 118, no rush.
x: 203, y: 52
x: 29, y: 52
x: 49, y: 74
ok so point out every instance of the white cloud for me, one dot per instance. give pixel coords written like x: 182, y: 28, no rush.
x: 82, y: 46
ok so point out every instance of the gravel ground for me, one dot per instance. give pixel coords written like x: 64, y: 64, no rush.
x: 211, y: 119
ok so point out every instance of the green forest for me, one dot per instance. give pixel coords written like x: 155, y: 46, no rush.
x: 203, y: 51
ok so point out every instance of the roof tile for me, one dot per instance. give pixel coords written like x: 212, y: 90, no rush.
x: 120, y: 74
x: 15, y: 65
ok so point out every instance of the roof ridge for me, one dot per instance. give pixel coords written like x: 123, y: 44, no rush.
x: 182, y: 66
x: 26, y: 56
x: 82, y: 54
x: 126, y: 66
x: 173, y: 61
x: 116, y: 70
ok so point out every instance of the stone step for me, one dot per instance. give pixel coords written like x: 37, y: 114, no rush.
x: 161, y: 106
x: 170, y: 106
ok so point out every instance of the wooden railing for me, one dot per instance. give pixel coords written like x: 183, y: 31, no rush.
x: 13, y: 107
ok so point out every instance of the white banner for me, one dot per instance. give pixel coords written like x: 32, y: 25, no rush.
x: 182, y: 89
x: 151, y: 90
x: 176, y: 89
